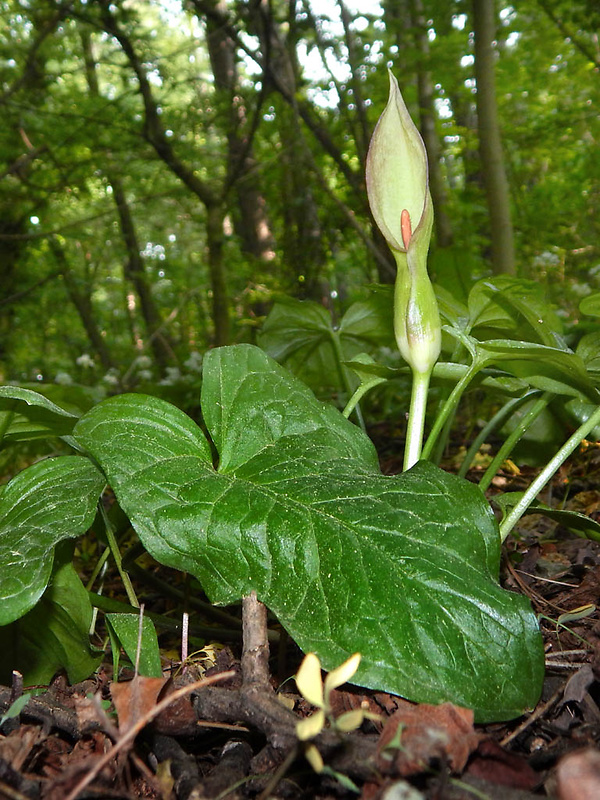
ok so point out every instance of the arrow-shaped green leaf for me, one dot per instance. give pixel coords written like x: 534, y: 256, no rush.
x: 403, y: 569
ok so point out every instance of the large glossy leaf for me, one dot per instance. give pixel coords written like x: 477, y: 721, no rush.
x: 52, y: 500
x: 403, y: 569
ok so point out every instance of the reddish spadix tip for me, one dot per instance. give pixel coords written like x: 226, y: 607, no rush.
x: 406, y: 227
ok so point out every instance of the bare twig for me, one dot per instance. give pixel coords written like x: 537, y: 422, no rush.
x: 539, y: 712
x: 255, y: 653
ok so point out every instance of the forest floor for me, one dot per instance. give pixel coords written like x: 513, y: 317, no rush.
x: 178, y: 737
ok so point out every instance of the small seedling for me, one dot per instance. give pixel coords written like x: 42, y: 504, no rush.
x: 318, y: 693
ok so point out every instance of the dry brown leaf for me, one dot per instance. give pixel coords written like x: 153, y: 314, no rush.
x: 134, y: 699
x: 16, y: 748
x: 416, y: 735
x: 498, y: 766
x: 179, y: 719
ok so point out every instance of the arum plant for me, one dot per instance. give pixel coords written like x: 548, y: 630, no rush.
x: 281, y: 495
x: 398, y: 191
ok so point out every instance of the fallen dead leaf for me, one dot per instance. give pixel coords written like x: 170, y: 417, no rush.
x: 502, y: 768
x: 416, y: 735
x: 134, y: 699
x: 16, y: 748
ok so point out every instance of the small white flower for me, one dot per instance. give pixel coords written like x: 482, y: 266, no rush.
x: 63, y: 379
x: 111, y: 378
x: 85, y: 360
x: 173, y: 375
x: 194, y: 362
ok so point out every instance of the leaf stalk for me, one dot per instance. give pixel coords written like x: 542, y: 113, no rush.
x: 511, y: 519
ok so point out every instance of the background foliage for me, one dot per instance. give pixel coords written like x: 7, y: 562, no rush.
x: 169, y: 167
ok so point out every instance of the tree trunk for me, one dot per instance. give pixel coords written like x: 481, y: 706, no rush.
x: 220, y: 306
x: 81, y: 299
x: 212, y: 200
x: 363, y: 131
x: 443, y: 229
x: 135, y: 272
x: 11, y: 250
x: 17, y: 158
x: 134, y: 266
x: 251, y: 222
x: 490, y: 144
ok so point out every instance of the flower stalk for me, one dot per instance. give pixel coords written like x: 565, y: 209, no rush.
x: 398, y: 191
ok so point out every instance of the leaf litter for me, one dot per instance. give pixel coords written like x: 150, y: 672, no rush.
x: 237, y: 739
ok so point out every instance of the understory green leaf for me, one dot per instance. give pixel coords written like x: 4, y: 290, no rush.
x: 548, y: 368
x: 588, y: 349
x: 403, y: 569
x: 54, y: 635
x: 515, y: 305
x: 52, y: 500
x: 591, y: 305
x: 25, y: 414
x: 125, y: 629
x: 15, y: 708
x: 301, y: 335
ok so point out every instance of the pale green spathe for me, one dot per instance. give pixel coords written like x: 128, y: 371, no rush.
x: 397, y: 180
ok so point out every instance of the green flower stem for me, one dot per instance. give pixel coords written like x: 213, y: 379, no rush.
x: 515, y: 435
x: 114, y: 549
x: 496, y: 421
x: 98, y: 568
x: 355, y: 399
x: 416, y: 418
x: 449, y: 408
x: 511, y: 519
x: 339, y: 359
x: 442, y: 440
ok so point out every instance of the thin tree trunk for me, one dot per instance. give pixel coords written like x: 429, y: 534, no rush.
x: 154, y: 134
x: 81, y: 299
x: 31, y: 84
x: 134, y: 268
x: 490, y: 143
x: 443, y: 229
x: 12, y: 249
x: 135, y: 272
x: 220, y: 306
x: 251, y: 222
x: 363, y: 130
